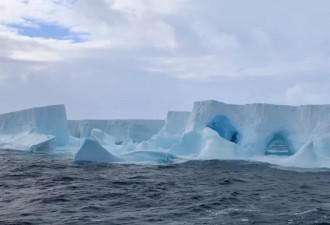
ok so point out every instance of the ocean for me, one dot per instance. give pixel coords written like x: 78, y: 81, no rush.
x: 52, y: 189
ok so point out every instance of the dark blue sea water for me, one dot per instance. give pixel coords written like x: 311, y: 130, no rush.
x: 51, y: 189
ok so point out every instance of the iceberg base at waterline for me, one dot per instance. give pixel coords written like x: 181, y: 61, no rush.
x: 92, y: 151
x: 149, y: 156
x: 28, y: 142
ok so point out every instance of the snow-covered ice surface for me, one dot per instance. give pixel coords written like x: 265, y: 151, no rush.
x: 32, y: 129
x: 137, y: 130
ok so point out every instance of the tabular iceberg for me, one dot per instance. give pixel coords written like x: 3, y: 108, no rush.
x: 34, y: 129
x: 250, y: 130
x: 300, y: 135
x: 137, y: 130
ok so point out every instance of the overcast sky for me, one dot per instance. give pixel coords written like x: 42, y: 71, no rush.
x: 141, y: 58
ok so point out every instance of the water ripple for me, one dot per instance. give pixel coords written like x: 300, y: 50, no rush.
x: 51, y: 189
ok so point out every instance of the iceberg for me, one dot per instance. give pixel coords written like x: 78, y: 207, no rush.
x: 190, y: 144
x: 285, y: 135
x: 211, y: 150
x: 128, y: 145
x: 41, y: 128
x: 107, y: 141
x: 205, y: 144
x: 102, y: 137
x: 254, y: 130
x: 260, y: 124
x: 26, y: 141
x: 170, y: 134
x: 92, y: 151
x: 100, y: 147
x: 137, y: 130
x: 221, y: 124
x: 305, y: 156
x: 44, y: 146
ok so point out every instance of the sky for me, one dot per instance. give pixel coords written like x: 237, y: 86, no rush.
x: 107, y: 59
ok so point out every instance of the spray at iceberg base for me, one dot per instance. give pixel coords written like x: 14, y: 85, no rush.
x: 292, y: 136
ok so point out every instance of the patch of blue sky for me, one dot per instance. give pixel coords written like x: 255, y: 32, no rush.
x: 48, y: 31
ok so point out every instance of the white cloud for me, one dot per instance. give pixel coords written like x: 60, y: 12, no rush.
x: 95, y: 20
x: 200, y: 67
x: 140, y: 7
x: 167, y: 52
x: 40, y: 56
x: 308, y: 93
x: 215, y: 39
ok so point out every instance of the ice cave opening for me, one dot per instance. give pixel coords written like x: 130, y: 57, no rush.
x: 279, y: 145
x: 222, y: 125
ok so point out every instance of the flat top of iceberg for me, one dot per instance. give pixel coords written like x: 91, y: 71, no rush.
x: 211, y: 101
x: 36, y: 108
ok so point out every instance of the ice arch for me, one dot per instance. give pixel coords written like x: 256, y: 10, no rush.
x: 225, y: 129
x: 279, y: 144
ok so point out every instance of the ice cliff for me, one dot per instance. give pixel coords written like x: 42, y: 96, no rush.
x: 34, y: 129
x: 170, y: 134
x: 286, y: 135
x: 253, y: 130
x: 257, y: 125
x: 137, y: 130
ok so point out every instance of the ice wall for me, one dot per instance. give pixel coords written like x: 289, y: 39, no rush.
x: 170, y: 134
x: 137, y: 130
x: 259, y: 124
x: 32, y: 127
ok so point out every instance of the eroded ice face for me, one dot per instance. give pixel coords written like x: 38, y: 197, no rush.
x: 41, y: 128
